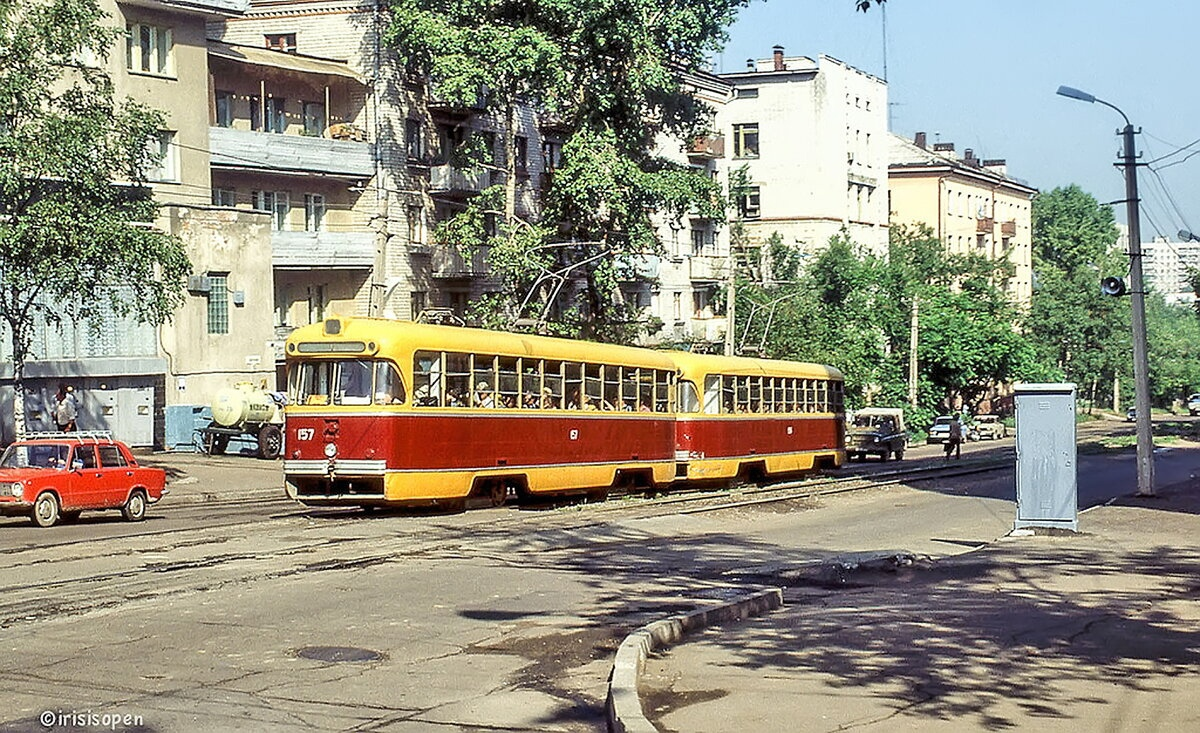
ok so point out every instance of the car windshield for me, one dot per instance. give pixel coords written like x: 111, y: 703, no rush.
x: 34, y: 456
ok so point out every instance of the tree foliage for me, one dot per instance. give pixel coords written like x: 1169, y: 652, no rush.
x: 1081, y: 333
x: 610, y: 73
x: 74, y: 213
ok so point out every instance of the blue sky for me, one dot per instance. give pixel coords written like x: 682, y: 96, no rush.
x: 983, y: 74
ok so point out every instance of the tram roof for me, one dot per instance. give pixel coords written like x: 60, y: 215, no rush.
x: 400, y: 337
x: 692, y: 366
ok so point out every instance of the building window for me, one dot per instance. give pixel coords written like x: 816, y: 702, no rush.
x: 148, y: 48
x: 224, y: 104
x: 285, y: 42
x: 746, y: 93
x: 551, y: 154
x: 314, y: 118
x: 702, y: 241
x: 165, y: 166
x: 521, y: 152
x: 487, y: 145
x: 224, y: 197
x: 416, y: 303
x: 449, y: 138
x: 276, y: 117
x: 275, y: 203
x: 677, y: 305
x: 416, y: 224
x: 314, y: 212
x: 750, y: 204
x: 316, y: 303
x: 218, y: 302
x: 412, y: 140
x: 745, y: 140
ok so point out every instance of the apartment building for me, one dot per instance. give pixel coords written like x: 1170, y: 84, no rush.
x: 695, y: 265
x: 1168, y: 267
x: 128, y: 376
x: 812, y: 135
x: 410, y: 186
x: 971, y: 204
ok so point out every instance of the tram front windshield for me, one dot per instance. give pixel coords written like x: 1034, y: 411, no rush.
x: 345, y: 382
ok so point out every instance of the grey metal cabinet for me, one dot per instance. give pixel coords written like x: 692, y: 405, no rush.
x: 1047, y: 479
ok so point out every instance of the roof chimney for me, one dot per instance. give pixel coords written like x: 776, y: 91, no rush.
x: 778, y: 54
x: 750, y: 64
x: 919, y: 140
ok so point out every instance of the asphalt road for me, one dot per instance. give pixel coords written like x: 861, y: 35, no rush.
x: 263, y: 615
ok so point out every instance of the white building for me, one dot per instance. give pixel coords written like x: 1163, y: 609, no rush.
x: 1167, y: 268
x: 812, y: 135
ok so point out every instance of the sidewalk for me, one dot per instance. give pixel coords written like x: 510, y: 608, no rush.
x: 1058, y: 631
x: 200, y: 478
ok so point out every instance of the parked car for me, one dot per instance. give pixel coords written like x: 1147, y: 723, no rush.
x: 989, y: 427
x: 877, y: 431
x: 1193, y: 404
x: 53, y: 476
x: 939, y: 431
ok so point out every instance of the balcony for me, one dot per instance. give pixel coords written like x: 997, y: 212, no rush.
x: 448, y: 263
x: 701, y: 268
x: 446, y: 179
x: 322, y: 250
x: 1008, y: 228
x: 985, y: 226
x: 707, y: 148
x: 269, y: 152
x: 708, y: 329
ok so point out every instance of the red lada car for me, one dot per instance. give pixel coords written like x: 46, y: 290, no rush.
x: 59, y: 475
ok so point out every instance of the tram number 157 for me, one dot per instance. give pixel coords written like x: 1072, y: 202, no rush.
x: 305, y: 433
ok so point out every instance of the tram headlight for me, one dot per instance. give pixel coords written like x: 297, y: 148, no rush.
x: 330, y: 450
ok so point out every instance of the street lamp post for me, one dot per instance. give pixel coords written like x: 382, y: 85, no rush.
x: 1137, y: 297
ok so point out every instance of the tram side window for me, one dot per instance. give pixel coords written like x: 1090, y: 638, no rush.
x: 483, y: 381
x: 458, y: 380
x: 389, y: 388
x: 712, y: 394
x: 593, y: 388
x: 573, y: 384
x: 629, y: 390
x: 552, y: 389
x: 612, y: 388
x: 507, y: 383
x: 662, y: 391
x: 822, y: 395
x: 531, y: 384
x: 427, y: 379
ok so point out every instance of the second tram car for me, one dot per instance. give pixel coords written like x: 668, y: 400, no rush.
x: 756, y: 418
x: 390, y: 413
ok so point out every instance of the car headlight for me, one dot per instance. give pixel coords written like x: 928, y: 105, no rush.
x: 16, y: 488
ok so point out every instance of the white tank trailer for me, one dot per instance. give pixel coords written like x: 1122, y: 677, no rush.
x: 244, y: 410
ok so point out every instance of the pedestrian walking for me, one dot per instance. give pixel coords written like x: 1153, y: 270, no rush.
x: 65, y: 409
x: 954, y: 442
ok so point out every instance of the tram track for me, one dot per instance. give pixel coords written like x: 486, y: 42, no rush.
x: 205, y: 562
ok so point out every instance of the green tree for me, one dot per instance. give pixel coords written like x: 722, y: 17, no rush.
x: 612, y: 75
x: 74, y: 211
x: 1074, y: 328
x: 1173, y: 340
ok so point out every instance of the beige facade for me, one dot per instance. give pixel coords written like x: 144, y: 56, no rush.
x: 971, y: 204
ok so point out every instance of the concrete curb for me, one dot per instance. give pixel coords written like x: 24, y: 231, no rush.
x: 624, y: 706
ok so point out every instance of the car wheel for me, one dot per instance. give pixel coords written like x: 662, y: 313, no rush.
x: 900, y: 454
x: 270, y: 442
x: 45, y: 510
x: 884, y: 456
x: 135, y: 507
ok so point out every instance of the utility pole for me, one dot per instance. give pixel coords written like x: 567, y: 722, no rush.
x: 912, y: 358
x: 730, y: 300
x: 1137, y: 299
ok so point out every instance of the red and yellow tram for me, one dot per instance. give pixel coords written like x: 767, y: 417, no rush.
x: 386, y: 412
x: 392, y: 412
x: 756, y: 418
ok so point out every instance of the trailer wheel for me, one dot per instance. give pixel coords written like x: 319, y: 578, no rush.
x: 217, y: 443
x: 270, y: 442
